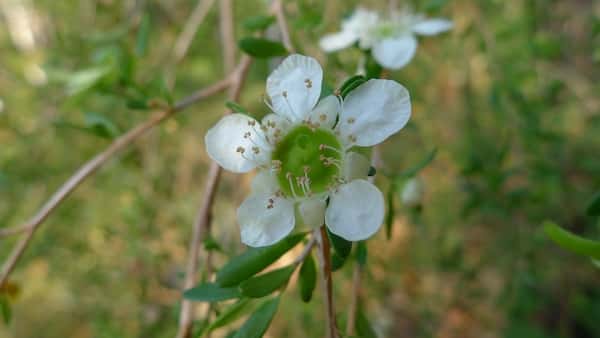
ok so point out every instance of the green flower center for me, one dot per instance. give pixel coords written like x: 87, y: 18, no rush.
x: 308, y: 161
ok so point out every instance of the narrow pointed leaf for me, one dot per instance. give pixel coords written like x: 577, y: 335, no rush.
x: 258, y: 323
x: 422, y: 164
x: 258, y: 22
x: 236, y: 108
x: 363, y: 327
x: 340, y: 245
x: 143, y: 36
x: 307, y: 278
x: 252, y: 261
x: 231, y: 314
x: 572, y: 242
x: 361, y: 253
x: 267, y: 283
x: 210, y: 292
x: 391, y: 212
x: 261, y: 48
x: 351, y: 84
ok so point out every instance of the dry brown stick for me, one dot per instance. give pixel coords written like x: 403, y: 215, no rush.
x: 202, y: 224
x: 191, y: 27
x: 91, y: 166
x: 227, y: 37
x: 279, y: 12
x: 358, y: 268
x: 323, y: 253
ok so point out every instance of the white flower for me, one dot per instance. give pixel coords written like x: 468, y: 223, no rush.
x: 412, y: 192
x: 391, y: 40
x: 303, y: 154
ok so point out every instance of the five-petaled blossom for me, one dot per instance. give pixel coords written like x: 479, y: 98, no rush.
x: 304, y: 153
x: 391, y: 40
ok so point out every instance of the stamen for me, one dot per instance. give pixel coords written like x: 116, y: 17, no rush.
x: 325, y: 146
x: 268, y: 104
x: 289, y: 177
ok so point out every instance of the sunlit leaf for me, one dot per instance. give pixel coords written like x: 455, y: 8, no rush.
x: 267, y: 283
x: 307, y: 278
x: 210, y: 292
x: 261, y: 48
x: 572, y: 242
x: 83, y: 80
x: 258, y: 323
x: 254, y: 260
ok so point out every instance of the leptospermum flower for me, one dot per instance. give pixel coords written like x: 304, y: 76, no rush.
x: 391, y: 40
x: 303, y: 153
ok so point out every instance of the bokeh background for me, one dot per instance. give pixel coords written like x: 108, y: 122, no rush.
x: 509, y: 98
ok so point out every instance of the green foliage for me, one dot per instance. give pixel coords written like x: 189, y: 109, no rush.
x: 267, y: 283
x: 210, y: 292
x: 593, y: 208
x: 244, y: 266
x: 571, y: 241
x: 258, y: 22
x: 230, y: 314
x: 351, y: 84
x: 363, y: 327
x: 261, y: 48
x: 236, y: 108
x: 5, y: 309
x: 307, y: 279
x: 259, y: 321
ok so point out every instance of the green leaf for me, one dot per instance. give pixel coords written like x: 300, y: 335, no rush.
x: 341, y: 246
x: 372, y: 171
x: 572, y: 242
x: 261, y: 48
x: 5, y: 309
x: 593, y: 208
x: 363, y: 327
x: 210, y: 292
x: 267, y: 283
x: 258, y: 22
x: 361, y: 253
x: 83, y: 80
x: 230, y: 314
x: 337, y: 261
x: 236, y: 108
x: 391, y: 212
x: 259, y: 321
x: 351, y: 84
x: 143, y: 36
x: 211, y: 244
x: 307, y: 278
x: 100, y: 125
x: 254, y: 260
x: 422, y: 164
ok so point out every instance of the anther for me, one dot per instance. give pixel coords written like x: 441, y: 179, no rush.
x: 323, y: 117
x: 308, y: 83
x: 351, y: 120
x: 284, y: 93
x: 256, y: 150
x: 251, y: 123
x: 240, y: 150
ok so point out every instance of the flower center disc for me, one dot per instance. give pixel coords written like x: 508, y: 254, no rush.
x: 309, y: 160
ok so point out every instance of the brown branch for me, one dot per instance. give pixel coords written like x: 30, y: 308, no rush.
x: 279, y: 12
x: 91, y: 166
x: 358, y: 268
x: 227, y: 37
x: 191, y: 27
x: 202, y: 224
x: 323, y: 254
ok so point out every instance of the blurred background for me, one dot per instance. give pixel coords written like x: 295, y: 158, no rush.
x: 509, y: 98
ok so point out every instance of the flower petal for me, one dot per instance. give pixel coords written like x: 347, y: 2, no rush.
x: 336, y: 41
x: 373, y: 112
x: 355, y: 166
x: 261, y: 225
x: 275, y: 126
x: 395, y: 53
x: 355, y: 211
x: 295, y: 86
x: 326, y: 112
x: 432, y: 26
x: 223, y: 140
x: 264, y: 182
x: 312, y: 212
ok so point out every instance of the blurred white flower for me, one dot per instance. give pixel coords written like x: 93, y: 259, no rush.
x: 302, y: 151
x: 412, y: 192
x: 391, y: 40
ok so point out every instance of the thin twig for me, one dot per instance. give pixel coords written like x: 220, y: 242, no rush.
x: 191, y: 27
x: 202, y: 225
x: 323, y: 254
x: 91, y: 166
x: 283, y: 27
x: 358, y: 268
x: 306, y: 250
x: 227, y: 37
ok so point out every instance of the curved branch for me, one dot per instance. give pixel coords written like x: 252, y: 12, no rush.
x: 91, y: 166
